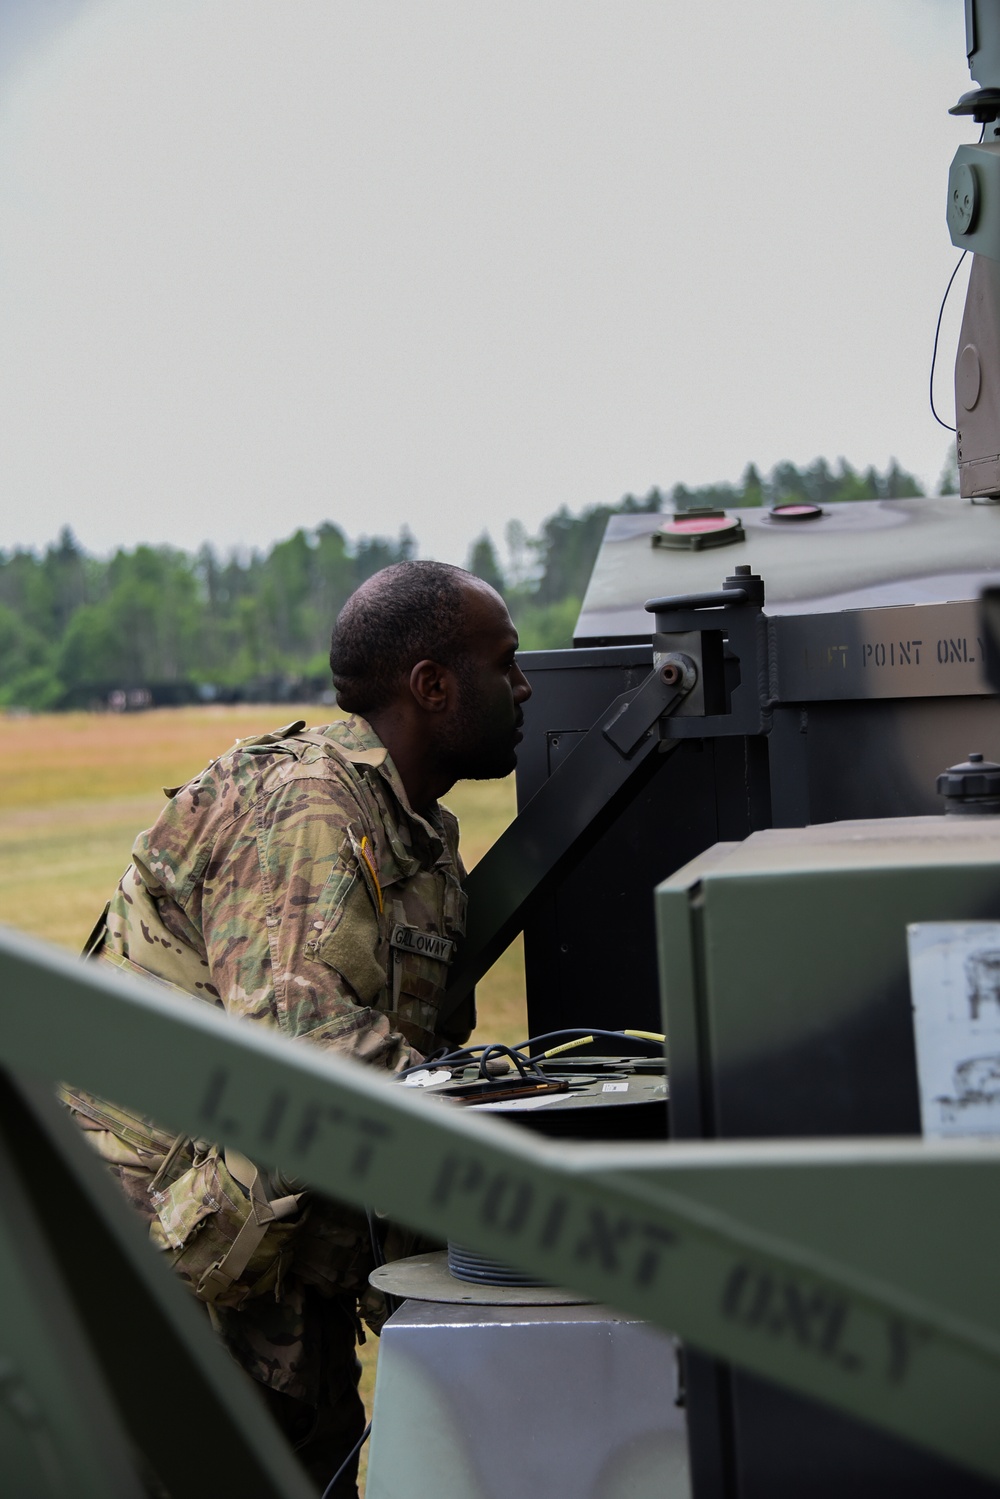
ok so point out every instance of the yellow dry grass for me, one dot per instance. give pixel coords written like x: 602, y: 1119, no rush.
x: 76, y: 788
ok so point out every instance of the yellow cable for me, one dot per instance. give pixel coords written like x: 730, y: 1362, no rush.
x: 567, y: 1046
x: 585, y: 1040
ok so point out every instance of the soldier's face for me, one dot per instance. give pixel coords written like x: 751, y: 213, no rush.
x: 481, y: 735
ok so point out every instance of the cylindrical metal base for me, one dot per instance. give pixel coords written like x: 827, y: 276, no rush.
x: 426, y: 1277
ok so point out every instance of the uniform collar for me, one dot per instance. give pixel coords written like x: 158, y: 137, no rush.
x: 358, y: 743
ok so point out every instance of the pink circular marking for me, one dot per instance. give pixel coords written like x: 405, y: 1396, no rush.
x: 698, y: 527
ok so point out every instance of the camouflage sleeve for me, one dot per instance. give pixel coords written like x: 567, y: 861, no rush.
x: 291, y: 931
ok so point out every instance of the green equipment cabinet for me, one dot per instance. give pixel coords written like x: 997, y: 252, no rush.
x: 788, y: 1015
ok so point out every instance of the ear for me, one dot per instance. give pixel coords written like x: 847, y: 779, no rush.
x: 434, y: 687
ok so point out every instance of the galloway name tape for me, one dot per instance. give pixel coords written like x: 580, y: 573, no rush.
x: 427, y: 944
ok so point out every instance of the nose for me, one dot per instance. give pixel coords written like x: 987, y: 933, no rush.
x: 520, y: 685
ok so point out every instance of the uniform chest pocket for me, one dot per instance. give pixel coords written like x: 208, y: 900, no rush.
x: 350, y: 941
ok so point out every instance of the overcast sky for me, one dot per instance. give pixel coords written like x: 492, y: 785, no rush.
x: 447, y: 263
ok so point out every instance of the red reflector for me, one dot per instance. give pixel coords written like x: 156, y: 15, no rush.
x: 699, y: 526
x: 795, y: 512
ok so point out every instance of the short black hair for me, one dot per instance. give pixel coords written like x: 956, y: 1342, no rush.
x: 409, y: 612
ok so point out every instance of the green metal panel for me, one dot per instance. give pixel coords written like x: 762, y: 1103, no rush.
x: 863, y: 1252
x: 801, y: 935
x: 90, y: 1279
x: 59, y: 1431
x: 658, y: 1230
x: 680, y: 957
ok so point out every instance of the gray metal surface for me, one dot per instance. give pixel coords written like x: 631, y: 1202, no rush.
x: 982, y: 41
x: 567, y: 1403
x: 977, y: 376
x: 903, y: 652
x: 855, y: 556
x: 974, y: 199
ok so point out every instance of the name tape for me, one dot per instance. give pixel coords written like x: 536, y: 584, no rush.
x: 427, y: 944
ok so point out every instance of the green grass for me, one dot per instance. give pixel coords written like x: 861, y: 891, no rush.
x: 76, y: 788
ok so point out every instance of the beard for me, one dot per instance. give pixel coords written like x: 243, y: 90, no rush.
x: 478, y: 742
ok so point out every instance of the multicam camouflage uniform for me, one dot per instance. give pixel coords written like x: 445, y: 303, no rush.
x: 291, y: 883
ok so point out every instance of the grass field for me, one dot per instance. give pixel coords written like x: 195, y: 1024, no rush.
x: 76, y: 788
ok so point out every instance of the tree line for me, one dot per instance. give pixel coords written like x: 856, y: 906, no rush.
x: 163, y: 625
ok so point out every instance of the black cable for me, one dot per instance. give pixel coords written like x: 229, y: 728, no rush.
x: 431, y: 1060
x: 525, y: 1066
x: 378, y: 1255
x: 937, y: 335
x: 441, y: 1058
x: 362, y: 1439
x: 469, y: 1053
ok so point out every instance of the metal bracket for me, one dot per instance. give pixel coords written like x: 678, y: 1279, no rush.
x: 633, y: 720
x: 734, y: 654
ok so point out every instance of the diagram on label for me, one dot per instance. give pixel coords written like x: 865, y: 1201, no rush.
x: 955, y: 988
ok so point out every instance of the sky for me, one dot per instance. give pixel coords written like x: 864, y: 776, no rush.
x: 446, y: 264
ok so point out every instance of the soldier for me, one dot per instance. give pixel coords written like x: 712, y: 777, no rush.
x: 288, y: 884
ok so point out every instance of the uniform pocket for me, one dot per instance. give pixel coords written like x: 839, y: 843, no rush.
x: 200, y: 1192
x: 350, y: 941
x: 211, y: 1229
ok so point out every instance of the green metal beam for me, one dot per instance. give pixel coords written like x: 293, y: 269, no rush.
x: 133, y: 1361
x: 856, y: 1272
x: 59, y: 1431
